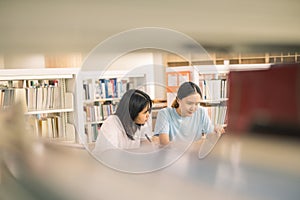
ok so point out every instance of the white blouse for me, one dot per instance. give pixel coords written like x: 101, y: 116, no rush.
x: 112, y: 135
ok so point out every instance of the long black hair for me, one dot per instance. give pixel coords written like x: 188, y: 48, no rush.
x: 186, y: 89
x: 130, y: 105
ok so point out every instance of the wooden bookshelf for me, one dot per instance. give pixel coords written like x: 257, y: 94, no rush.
x: 237, y: 58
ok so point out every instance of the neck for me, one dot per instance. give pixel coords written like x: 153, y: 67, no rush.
x: 178, y: 111
x: 139, y: 125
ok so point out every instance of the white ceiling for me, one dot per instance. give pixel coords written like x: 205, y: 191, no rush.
x: 79, y: 25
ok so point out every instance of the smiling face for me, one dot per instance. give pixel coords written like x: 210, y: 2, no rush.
x: 143, y: 116
x: 188, y: 105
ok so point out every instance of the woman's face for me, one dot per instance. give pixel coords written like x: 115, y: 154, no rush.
x: 188, y: 105
x: 142, y: 116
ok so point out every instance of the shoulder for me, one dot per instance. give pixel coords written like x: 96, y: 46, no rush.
x: 201, y: 111
x: 112, y: 120
x: 166, y: 111
x: 167, y: 115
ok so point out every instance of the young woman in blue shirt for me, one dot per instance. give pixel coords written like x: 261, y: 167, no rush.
x: 186, y: 120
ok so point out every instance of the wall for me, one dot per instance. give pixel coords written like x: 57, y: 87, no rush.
x: 1, y: 62
x: 23, y: 61
x: 148, y: 62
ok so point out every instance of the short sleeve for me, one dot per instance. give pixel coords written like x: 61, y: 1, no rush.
x: 162, y: 123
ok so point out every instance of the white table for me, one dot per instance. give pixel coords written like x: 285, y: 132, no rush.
x: 239, y: 167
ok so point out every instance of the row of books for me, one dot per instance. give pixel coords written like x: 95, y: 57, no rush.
x: 217, y: 114
x: 35, y: 98
x: 214, y: 89
x: 105, y: 88
x: 98, y: 112
x: 7, y: 97
x: 46, y: 127
x: 47, y: 97
x: 91, y: 132
x: 29, y: 83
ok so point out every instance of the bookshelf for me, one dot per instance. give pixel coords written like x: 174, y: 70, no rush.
x: 47, y: 99
x: 213, y: 84
x: 98, y: 94
x: 218, y: 58
x: 212, y: 81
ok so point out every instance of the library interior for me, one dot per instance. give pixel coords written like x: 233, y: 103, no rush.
x: 65, y: 66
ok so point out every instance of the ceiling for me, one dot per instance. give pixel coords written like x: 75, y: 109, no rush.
x: 67, y: 26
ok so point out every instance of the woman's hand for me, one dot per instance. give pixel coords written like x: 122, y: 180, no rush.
x: 219, y: 129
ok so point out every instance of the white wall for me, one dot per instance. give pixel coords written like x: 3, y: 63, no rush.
x: 132, y: 60
x: 149, y: 63
x: 159, y: 76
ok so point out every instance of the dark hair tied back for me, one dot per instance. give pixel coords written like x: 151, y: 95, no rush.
x: 186, y: 89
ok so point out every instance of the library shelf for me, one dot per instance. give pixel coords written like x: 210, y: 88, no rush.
x: 47, y: 99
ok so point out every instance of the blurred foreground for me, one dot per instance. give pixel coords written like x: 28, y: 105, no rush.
x: 239, y: 167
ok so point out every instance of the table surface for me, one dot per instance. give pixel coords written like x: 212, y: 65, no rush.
x: 238, y: 167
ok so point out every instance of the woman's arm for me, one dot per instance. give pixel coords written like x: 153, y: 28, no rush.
x: 164, y: 139
x: 162, y: 127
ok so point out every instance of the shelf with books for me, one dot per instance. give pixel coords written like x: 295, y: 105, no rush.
x: 47, y: 101
x: 217, y: 111
x: 213, y: 87
x: 98, y: 94
x: 213, y: 84
x: 98, y: 112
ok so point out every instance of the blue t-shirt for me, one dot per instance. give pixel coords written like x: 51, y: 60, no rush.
x: 183, y: 128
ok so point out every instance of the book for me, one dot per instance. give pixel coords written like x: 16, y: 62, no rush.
x: 45, y: 97
x: 31, y: 98
x: 39, y: 98
x: 59, y: 126
x: 51, y: 128
x: 20, y: 97
x: 57, y: 97
x: 43, y: 127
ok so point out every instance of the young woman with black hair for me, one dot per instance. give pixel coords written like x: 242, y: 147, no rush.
x: 186, y: 120
x: 123, y: 129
